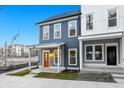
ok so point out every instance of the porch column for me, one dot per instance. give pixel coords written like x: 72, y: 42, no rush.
x: 80, y: 54
x: 29, y: 60
x: 122, y: 48
x: 58, y: 59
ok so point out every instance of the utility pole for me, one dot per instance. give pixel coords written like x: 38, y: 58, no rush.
x: 5, y: 54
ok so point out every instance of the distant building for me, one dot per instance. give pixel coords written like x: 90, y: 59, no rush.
x: 17, y: 50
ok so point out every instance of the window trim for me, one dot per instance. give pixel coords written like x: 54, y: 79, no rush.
x: 69, y: 56
x: 75, y: 28
x: 112, y: 18
x: 89, y: 22
x: 48, y: 32
x: 55, y: 31
x: 93, y: 45
x: 60, y: 57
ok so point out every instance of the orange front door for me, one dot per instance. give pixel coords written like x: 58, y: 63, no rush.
x: 46, y: 59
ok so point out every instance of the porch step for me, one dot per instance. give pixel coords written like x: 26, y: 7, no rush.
x: 118, y: 76
x: 112, y: 70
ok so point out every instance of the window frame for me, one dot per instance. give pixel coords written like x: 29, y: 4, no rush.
x: 56, y: 31
x: 47, y: 32
x: 89, y: 22
x: 112, y: 18
x: 93, y: 45
x: 75, y: 49
x: 70, y: 29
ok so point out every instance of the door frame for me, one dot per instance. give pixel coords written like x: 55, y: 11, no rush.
x: 117, y: 56
x: 43, y: 57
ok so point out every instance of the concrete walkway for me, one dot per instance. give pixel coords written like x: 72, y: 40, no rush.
x: 30, y: 82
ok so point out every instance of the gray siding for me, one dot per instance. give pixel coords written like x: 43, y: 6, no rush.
x: 101, y: 42
x: 70, y: 42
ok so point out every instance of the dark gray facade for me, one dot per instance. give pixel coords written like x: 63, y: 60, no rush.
x: 70, y: 42
x: 104, y: 42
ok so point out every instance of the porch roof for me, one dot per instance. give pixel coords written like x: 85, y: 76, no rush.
x: 47, y: 45
x: 101, y: 36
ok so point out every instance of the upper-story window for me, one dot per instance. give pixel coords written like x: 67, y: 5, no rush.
x: 89, y: 22
x: 72, y: 28
x: 45, y: 32
x: 112, y: 17
x: 57, y: 31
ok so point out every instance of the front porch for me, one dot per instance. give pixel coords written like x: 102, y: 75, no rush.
x: 51, y: 57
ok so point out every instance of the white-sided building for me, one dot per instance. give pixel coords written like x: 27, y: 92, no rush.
x: 16, y: 50
x: 102, y: 36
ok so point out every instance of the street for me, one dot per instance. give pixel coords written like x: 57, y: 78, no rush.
x: 17, y: 61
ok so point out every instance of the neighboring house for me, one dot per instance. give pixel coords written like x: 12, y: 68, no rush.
x: 59, y: 45
x: 15, y: 50
x: 18, y: 50
x: 102, y: 36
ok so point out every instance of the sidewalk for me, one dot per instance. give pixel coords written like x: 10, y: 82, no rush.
x: 28, y: 81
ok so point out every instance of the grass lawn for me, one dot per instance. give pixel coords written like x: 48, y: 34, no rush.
x: 66, y: 75
x: 20, y: 73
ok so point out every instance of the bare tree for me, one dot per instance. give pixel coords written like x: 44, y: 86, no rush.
x: 8, y: 49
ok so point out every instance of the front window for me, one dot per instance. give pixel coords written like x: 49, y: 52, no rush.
x: 57, y: 31
x: 45, y: 32
x: 72, y: 56
x: 98, y: 52
x: 112, y: 17
x: 89, y: 53
x: 72, y: 28
x: 89, y: 22
x: 94, y: 52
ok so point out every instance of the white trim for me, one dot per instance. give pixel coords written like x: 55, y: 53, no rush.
x: 46, y: 31
x: 75, y: 49
x: 81, y: 53
x: 60, y: 56
x: 43, y: 57
x: 74, y: 68
x: 75, y: 21
x: 122, y: 50
x: 112, y: 44
x: 101, y: 36
x: 93, y: 59
x: 58, y: 20
x: 49, y: 45
x: 94, y: 65
x: 59, y: 30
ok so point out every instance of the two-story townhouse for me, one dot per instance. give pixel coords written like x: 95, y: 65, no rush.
x: 58, y: 41
x: 102, y: 36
